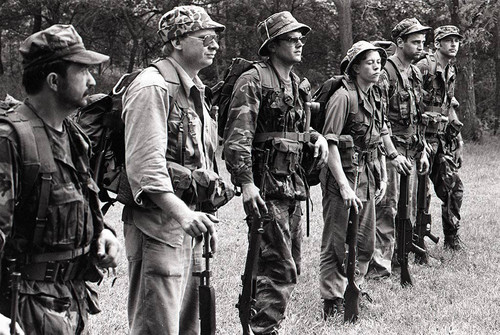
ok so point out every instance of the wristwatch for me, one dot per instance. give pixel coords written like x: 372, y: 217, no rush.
x: 393, y: 155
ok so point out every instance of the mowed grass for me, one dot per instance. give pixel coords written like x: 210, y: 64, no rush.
x: 457, y: 293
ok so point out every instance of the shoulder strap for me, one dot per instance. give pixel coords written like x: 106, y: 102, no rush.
x: 38, y: 159
x: 169, y: 73
x: 266, y: 74
x: 393, y: 71
x: 353, y: 95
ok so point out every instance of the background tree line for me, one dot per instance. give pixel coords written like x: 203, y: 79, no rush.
x: 126, y: 30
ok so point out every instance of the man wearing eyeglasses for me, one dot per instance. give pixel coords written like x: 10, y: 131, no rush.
x: 168, y: 128
x: 264, y: 138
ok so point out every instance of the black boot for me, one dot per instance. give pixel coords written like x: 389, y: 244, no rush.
x: 453, y: 242
x: 332, y: 307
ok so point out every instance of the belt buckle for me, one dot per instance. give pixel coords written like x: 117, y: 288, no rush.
x: 51, y: 271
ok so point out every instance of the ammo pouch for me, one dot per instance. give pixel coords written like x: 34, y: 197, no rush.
x: 347, y: 151
x: 284, y: 156
x: 434, y: 122
x: 182, y: 182
x: 281, y: 176
x: 404, y: 112
x: 211, y: 190
x: 453, y: 129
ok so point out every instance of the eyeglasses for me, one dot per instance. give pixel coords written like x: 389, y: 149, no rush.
x: 207, y: 39
x: 294, y: 40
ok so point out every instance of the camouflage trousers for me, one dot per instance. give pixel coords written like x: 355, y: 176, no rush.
x: 333, y: 281
x: 278, y: 265
x: 447, y: 185
x: 51, y: 308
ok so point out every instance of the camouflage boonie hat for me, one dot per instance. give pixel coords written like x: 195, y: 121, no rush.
x: 60, y: 41
x: 408, y: 26
x: 276, y: 25
x: 357, y: 49
x: 185, y: 19
x: 443, y: 31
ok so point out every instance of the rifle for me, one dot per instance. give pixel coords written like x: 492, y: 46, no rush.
x: 404, y: 231
x: 15, y: 279
x: 352, y: 291
x: 206, y: 292
x: 423, y: 224
x: 246, y: 300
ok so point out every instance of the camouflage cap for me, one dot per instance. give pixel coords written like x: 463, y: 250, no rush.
x: 185, y: 19
x: 276, y: 25
x: 356, y: 50
x: 59, y: 41
x: 443, y: 31
x: 408, y: 26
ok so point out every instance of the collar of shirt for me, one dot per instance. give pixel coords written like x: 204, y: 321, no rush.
x: 187, y: 82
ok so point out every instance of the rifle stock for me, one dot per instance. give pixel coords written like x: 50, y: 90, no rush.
x: 15, y: 279
x: 404, y: 232
x: 352, y: 292
x: 206, y: 293
x: 424, y: 222
x: 246, y: 301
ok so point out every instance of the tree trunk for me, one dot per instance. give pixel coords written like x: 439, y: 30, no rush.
x: 1, y: 62
x: 497, y: 66
x: 37, y: 18
x: 345, y: 24
x: 465, y: 92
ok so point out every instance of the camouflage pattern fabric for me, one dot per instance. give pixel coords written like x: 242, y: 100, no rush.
x: 439, y: 89
x: 408, y: 26
x: 279, y: 264
x: 73, y: 218
x: 443, y: 31
x: 185, y: 19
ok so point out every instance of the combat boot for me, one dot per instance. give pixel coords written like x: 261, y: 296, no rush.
x: 332, y: 307
x: 453, y: 242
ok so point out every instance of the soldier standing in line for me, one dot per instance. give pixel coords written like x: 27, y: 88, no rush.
x: 446, y: 145
x: 401, y: 81
x: 51, y: 226
x: 266, y: 114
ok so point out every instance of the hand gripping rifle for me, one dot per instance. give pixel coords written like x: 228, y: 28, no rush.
x: 404, y: 231
x: 246, y: 300
x: 352, y: 291
x: 206, y: 292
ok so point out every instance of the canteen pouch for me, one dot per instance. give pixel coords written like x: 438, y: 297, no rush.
x: 347, y: 153
x: 211, y: 190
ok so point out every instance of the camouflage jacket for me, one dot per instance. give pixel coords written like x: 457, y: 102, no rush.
x: 256, y: 109
x: 73, y: 215
x: 404, y: 95
x: 438, y: 83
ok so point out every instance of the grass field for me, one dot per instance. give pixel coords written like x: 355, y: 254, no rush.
x: 457, y: 293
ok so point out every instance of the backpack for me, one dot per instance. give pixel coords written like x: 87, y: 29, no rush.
x: 101, y: 121
x: 223, y: 90
x: 323, y: 94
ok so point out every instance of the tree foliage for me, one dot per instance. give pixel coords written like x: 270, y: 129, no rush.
x: 126, y: 30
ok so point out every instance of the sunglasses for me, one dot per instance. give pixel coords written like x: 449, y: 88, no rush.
x: 207, y: 39
x: 294, y: 40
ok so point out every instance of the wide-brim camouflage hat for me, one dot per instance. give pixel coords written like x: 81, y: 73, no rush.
x: 443, y: 31
x: 356, y: 50
x: 59, y: 41
x: 408, y: 26
x: 185, y: 19
x: 276, y: 25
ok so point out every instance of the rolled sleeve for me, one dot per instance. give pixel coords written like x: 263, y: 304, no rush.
x: 336, y: 111
x: 145, y: 114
